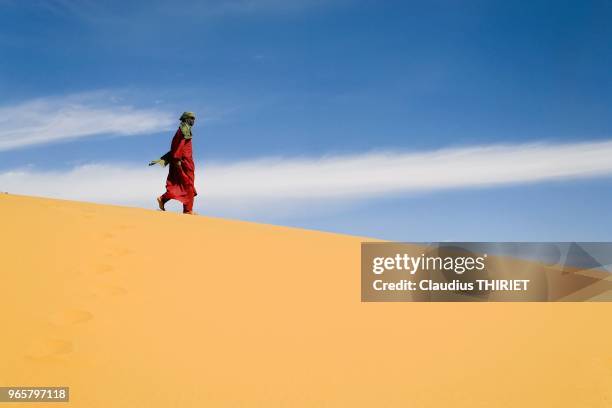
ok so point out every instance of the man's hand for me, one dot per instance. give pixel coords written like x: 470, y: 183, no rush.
x: 178, y: 163
x: 161, y: 162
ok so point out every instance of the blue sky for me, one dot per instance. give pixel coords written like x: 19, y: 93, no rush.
x: 280, y: 86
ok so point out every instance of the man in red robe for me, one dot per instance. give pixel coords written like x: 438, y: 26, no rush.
x: 180, y: 182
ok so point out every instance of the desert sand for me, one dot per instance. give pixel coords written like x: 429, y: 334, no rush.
x: 140, y: 308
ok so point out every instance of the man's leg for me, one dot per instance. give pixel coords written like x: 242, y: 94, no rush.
x: 162, y: 200
x: 188, y: 207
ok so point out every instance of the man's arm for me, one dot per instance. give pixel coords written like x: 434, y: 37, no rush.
x: 175, y: 153
x: 162, y: 161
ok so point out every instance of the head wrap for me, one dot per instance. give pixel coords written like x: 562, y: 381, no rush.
x: 186, y: 130
x: 187, y: 115
x: 185, y: 127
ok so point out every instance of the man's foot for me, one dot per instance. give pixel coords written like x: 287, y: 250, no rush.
x: 160, y: 202
x: 190, y: 212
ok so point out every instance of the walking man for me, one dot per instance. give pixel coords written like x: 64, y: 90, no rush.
x: 181, y: 176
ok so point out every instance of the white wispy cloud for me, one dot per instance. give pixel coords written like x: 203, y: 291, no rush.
x: 53, y: 119
x: 269, y: 184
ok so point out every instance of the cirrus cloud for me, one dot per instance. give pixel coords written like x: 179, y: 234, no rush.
x: 265, y: 185
x: 54, y: 119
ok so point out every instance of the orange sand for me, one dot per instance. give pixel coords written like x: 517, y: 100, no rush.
x: 265, y: 316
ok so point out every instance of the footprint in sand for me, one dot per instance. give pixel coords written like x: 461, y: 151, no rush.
x: 108, y: 235
x: 47, y: 348
x: 122, y: 252
x: 111, y: 290
x: 104, y: 268
x: 89, y: 215
x: 118, y: 252
x: 70, y: 316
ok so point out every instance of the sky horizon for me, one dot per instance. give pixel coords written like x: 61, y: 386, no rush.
x: 408, y: 121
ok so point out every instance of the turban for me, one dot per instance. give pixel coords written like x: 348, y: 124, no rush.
x: 186, y: 115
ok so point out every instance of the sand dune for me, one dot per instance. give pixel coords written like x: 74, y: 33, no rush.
x: 138, y: 308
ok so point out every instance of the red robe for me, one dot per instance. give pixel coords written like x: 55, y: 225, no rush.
x: 180, y: 182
